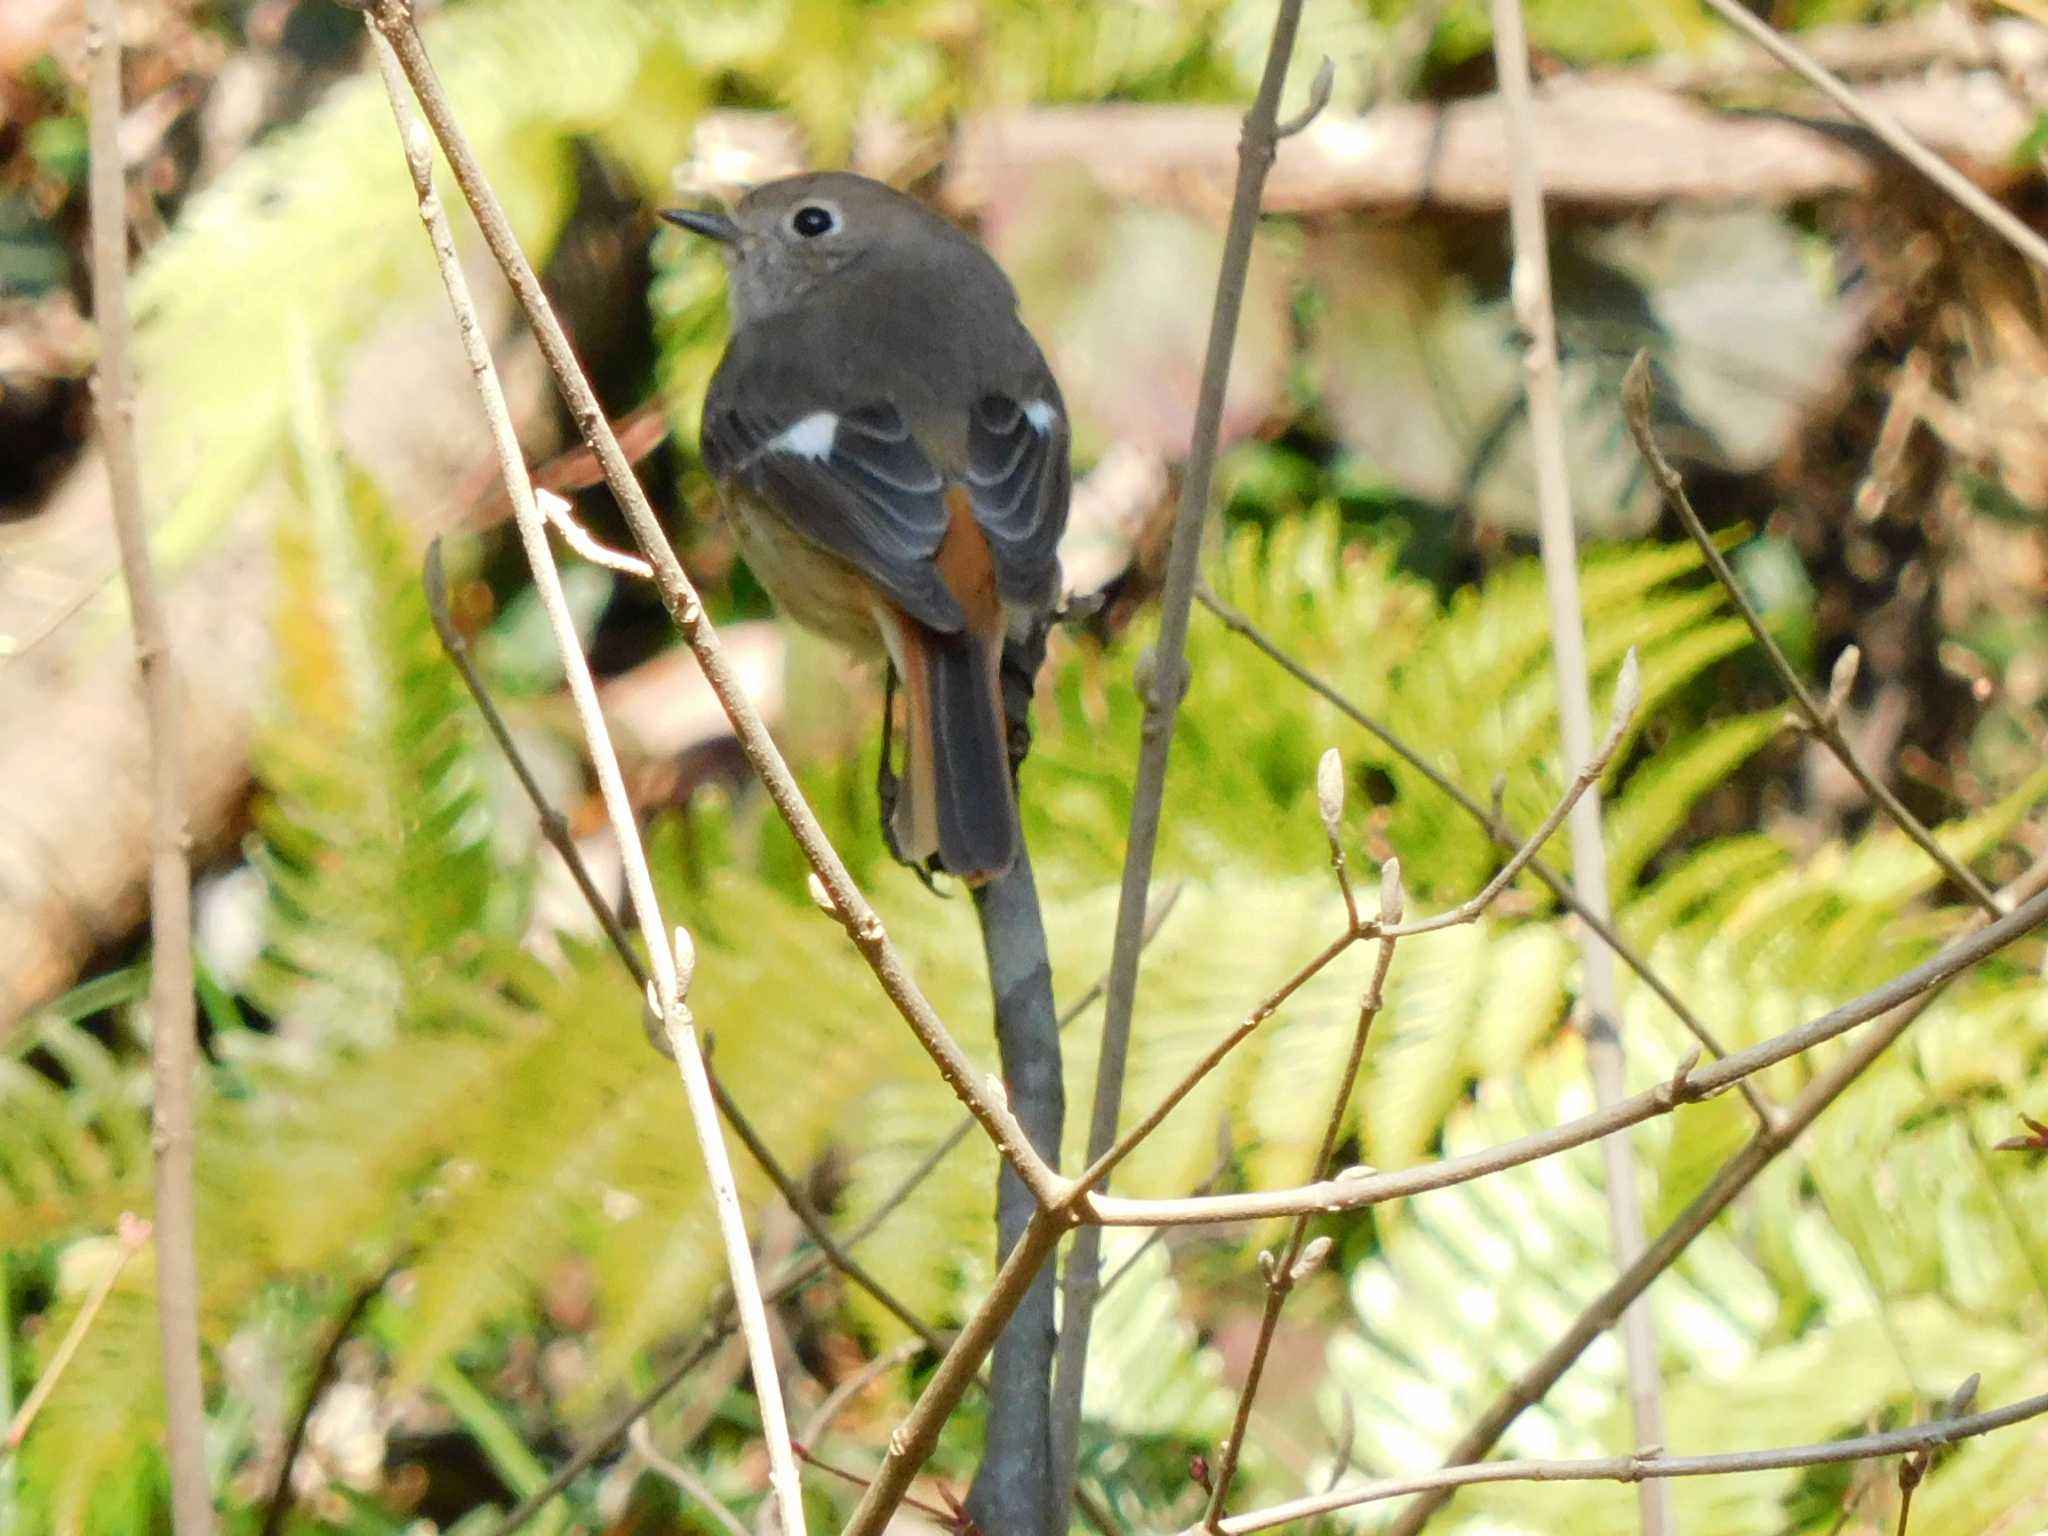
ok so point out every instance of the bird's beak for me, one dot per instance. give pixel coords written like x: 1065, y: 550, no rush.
x: 712, y: 226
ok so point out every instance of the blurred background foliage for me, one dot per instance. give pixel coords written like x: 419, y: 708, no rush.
x: 426, y: 1081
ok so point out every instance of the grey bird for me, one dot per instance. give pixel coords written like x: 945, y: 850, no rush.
x: 892, y: 455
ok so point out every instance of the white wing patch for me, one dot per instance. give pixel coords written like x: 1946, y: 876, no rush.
x: 1042, y: 416
x: 811, y: 438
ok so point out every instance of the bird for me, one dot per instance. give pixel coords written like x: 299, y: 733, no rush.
x: 891, y: 452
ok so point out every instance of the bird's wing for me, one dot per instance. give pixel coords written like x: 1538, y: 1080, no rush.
x: 1020, y: 482
x: 852, y: 480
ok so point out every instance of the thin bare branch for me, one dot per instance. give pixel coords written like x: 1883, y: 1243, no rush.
x: 1494, y: 824
x: 1889, y: 131
x: 834, y: 1252
x: 1267, y: 1006
x: 913, y: 1440
x: 393, y: 20
x: 1735, y: 1176
x: 1921, y: 1438
x: 1164, y: 684
x: 1385, y: 925
x: 554, y: 826
x: 172, y: 1023
x: 1822, y: 717
x: 840, y: 1397
x: 671, y: 959
x: 1627, y: 693
x: 560, y: 516
x: 131, y: 1233
x: 1298, y: 1258
x: 279, y: 1504
x: 1606, y: 1052
x: 692, y: 1487
x: 1689, y: 1084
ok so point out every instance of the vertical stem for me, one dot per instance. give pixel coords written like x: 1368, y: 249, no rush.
x: 1013, y: 1488
x: 670, y: 959
x: 1168, y: 684
x: 1531, y: 291
x: 172, y: 1026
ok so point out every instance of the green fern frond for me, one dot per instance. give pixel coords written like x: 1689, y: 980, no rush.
x: 375, y: 834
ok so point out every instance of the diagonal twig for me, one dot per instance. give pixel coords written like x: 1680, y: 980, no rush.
x: 1889, y: 131
x: 1690, y: 1083
x: 1735, y: 1176
x: 1822, y: 717
x: 1503, y: 836
x: 393, y: 21
x: 131, y: 1233
x: 1386, y: 925
x: 1921, y: 1438
x: 1298, y: 1257
x: 670, y: 960
x: 1558, y: 540
x: 279, y: 1504
x: 1163, y: 685
x: 173, y: 1047
x: 686, y: 1482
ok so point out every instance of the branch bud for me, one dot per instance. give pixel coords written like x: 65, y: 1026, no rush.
x: 1330, y: 796
x: 1268, y: 1265
x: 1841, y: 681
x: 820, y: 895
x: 1311, y: 1258
x: 686, y: 961
x: 1628, y: 694
x: 1393, y: 899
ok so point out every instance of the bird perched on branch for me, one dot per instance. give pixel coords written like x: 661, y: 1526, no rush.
x: 891, y: 453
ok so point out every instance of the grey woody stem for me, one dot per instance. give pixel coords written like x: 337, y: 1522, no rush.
x: 172, y: 1025
x: 670, y: 959
x: 1599, y: 996
x: 1689, y: 1084
x: 1168, y: 682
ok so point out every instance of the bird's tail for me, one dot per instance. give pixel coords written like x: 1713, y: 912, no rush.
x: 958, y: 799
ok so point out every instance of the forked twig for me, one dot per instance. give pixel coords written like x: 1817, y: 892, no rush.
x: 1823, y: 718
x: 173, y: 1047
x: 1690, y: 1083
x: 1490, y: 821
x: 671, y: 960
x: 1380, y: 926
x: 1300, y: 1258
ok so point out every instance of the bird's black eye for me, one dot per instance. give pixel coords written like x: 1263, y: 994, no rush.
x: 811, y: 220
